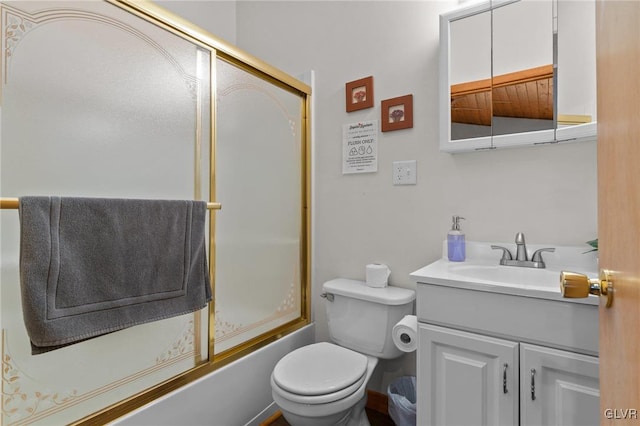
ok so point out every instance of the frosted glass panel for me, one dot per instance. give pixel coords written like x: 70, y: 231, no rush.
x: 95, y: 102
x: 258, y: 230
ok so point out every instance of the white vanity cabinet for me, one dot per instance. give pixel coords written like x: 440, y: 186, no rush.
x: 558, y: 387
x: 483, y: 348
x: 499, y: 345
x: 466, y: 379
x: 474, y: 379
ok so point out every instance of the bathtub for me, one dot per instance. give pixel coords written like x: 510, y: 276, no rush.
x: 236, y: 394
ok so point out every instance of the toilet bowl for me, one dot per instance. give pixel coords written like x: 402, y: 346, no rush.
x: 325, y: 383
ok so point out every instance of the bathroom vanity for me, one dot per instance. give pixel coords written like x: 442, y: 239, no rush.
x: 498, y: 345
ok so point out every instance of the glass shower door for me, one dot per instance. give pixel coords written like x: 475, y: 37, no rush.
x: 259, y: 242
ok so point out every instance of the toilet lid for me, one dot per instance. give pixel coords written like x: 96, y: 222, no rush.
x: 319, y: 369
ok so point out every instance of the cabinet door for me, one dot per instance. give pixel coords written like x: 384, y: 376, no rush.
x: 558, y: 387
x: 466, y: 378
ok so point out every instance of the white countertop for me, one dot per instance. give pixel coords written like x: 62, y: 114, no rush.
x: 482, y: 272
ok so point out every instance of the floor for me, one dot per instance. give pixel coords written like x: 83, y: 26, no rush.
x: 375, y: 418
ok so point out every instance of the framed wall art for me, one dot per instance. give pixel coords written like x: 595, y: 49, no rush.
x: 359, y: 94
x: 397, y: 113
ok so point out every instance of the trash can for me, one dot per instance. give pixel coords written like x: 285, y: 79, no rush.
x: 402, y: 401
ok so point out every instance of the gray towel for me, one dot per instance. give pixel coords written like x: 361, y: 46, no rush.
x: 91, y: 266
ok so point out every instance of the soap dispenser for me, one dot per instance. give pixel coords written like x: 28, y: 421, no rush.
x: 455, y: 241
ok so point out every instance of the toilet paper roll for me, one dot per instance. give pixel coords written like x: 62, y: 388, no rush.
x: 377, y: 275
x: 405, y: 333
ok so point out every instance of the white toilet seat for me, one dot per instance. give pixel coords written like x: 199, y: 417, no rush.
x: 317, y: 399
x: 321, y: 372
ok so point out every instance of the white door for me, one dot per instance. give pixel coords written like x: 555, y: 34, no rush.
x: 466, y: 379
x: 558, y: 387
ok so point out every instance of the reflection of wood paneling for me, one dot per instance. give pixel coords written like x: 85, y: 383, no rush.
x: 472, y: 108
x: 522, y: 94
x: 471, y: 102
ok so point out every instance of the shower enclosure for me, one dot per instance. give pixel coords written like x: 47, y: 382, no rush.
x: 123, y: 99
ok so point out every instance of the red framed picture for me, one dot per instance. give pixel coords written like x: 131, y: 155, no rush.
x: 397, y: 113
x: 359, y: 94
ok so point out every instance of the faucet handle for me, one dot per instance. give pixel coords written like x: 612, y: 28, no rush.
x: 506, y: 254
x: 537, y: 255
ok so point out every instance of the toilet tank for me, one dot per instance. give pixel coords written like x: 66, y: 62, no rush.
x: 362, y: 318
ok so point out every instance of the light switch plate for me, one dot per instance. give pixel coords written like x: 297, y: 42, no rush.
x: 404, y: 172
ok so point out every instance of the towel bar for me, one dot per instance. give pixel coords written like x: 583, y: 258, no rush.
x: 13, y: 203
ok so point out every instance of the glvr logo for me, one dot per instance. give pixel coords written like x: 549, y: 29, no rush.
x: 621, y: 413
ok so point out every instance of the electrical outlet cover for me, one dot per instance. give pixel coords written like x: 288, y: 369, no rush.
x: 404, y: 172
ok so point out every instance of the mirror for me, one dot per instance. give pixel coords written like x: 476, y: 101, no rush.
x: 576, y: 73
x: 522, y: 82
x: 510, y: 78
x: 470, y: 74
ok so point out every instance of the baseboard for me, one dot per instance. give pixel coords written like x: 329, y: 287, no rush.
x: 265, y: 417
x: 275, y: 416
x: 376, y: 401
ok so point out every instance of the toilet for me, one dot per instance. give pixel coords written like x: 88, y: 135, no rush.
x: 325, y: 383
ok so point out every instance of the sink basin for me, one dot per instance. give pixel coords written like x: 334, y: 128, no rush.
x: 482, y: 271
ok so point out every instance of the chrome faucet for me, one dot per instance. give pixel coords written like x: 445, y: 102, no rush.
x: 521, y: 247
x: 522, y: 258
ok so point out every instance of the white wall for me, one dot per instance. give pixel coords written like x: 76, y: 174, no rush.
x: 216, y: 17
x: 547, y: 192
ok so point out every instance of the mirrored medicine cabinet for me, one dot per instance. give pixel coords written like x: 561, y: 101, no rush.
x: 517, y: 73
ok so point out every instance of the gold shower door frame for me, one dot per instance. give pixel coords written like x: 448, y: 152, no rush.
x: 219, y: 50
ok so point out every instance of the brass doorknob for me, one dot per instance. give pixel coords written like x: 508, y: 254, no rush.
x: 574, y: 285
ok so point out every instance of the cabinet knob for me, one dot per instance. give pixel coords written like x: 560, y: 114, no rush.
x: 575, y: 285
